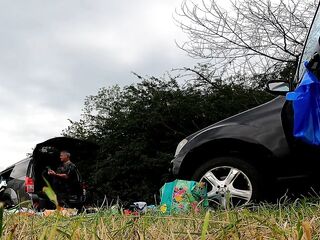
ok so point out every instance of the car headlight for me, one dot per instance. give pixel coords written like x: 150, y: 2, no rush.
x: 180, y: 146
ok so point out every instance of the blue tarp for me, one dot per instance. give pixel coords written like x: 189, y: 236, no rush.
x: 306, y: 107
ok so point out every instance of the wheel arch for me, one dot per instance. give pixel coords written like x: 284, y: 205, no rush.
x: 10, y: 194
x: 253, y: 153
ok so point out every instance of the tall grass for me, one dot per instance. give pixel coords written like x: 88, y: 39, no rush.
x: 298, y: 220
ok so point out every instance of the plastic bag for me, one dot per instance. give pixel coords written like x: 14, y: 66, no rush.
x: 306, y: 108
x: 182, y: 196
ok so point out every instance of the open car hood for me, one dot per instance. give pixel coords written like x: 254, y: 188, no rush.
x: 47, y: 155
x: 76, y: 147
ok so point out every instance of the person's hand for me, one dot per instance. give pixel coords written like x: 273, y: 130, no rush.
x: 51, y: 172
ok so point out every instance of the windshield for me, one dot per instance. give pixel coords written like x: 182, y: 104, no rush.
x: 311, y: 45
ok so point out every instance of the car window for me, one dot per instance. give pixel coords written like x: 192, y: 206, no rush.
x: 311, y: 45
x: 20, y: 169
x: 5, y: 175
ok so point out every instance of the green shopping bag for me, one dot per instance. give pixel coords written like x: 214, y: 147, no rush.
x: 182, y: 196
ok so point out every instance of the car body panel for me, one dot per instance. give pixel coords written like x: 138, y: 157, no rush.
x: 258, y: 125
x: 261, y: 125
x: 15, y: 189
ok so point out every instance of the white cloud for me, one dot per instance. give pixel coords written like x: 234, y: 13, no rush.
x: 54, y: 53
x: 22, y: 130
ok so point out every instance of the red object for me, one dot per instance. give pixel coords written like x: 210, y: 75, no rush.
x: 135, y: 213
x: 29, y: 184
x: 127, y: 212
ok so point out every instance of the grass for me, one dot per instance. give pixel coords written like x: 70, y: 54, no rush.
x: 297, y: 220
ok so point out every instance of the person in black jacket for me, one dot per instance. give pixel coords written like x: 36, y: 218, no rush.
x: 66, y: 181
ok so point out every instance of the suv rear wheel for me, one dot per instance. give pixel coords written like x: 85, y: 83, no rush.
x: 230, y: 181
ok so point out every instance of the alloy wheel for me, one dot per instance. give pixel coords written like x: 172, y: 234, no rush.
x: 227, y: 186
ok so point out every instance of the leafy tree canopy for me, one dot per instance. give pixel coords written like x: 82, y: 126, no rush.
x: 139, y: 126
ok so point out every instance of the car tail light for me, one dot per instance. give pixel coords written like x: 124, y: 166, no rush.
x: 29, y: 184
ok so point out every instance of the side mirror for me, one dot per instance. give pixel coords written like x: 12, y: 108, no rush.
x: 278, y: 87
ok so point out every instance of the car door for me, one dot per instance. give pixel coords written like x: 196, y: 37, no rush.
x: 305, y: 158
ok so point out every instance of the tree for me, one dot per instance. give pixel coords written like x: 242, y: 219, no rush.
x: 252, y: 36
x: 139, y: 126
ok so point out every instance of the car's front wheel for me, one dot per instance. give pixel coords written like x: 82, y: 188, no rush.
x: 230, y: 181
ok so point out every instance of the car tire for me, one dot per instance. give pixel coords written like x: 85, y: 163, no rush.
x: 8, y: 203
x: 230, y: 181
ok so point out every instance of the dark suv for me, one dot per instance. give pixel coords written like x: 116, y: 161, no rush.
x: 245, y: 155
x: 24, y: 180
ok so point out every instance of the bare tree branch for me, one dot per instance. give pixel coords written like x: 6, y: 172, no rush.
x: 252, y: 36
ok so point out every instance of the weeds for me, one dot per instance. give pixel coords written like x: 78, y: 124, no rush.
x: 298, y: 220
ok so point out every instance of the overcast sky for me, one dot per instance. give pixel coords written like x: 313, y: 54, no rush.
x: 55, y: 53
